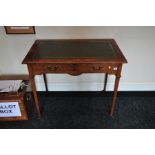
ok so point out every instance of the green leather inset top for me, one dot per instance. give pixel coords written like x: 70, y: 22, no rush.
x: 74, y: 49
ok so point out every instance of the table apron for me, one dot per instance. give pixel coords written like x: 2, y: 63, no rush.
x: 74, y: 69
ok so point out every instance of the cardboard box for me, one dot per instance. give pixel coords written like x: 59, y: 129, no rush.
x: 12, y: 105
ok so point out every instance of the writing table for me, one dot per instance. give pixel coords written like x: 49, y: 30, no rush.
x: 74, y: 57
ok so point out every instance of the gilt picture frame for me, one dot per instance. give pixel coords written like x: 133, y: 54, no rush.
x: 19, y: 29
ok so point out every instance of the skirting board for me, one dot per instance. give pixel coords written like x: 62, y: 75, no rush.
x: 96, y: 86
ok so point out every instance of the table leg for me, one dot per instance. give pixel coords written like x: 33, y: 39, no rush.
x: 105, y: 81
x: 115, y: 95
x: 31, y: 78
x: 45, y: 81
x: 118, y: 76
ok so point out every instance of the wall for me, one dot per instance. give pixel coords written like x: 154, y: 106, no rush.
x: 137, y: 44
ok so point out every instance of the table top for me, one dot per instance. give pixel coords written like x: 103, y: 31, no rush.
x: 74, y: 50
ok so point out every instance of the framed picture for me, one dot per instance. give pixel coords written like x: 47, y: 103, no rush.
x: 19, y: 29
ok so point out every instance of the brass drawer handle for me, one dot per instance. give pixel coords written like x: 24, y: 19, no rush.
x: 98, y: 68
x: 115, y: 68
x: 52, y: 68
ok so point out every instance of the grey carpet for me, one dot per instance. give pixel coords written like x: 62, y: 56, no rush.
x: 90, y: 110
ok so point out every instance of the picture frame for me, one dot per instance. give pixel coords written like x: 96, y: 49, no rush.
x: 19, y: 29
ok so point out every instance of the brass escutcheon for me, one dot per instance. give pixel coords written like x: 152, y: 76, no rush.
x: 52, y: 68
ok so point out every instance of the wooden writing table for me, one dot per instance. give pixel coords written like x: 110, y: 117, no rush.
x: 74, y: 57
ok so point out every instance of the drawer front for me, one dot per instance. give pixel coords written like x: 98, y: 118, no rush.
x: 50, y: 68
x: 74, y: 69
x: 99, y: 68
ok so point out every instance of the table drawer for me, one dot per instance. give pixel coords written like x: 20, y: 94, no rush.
x: 99, y: 68
x: 51, y: 68
x: 74, y: 69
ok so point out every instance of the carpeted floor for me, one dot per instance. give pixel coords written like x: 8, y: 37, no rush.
x: 90, y: 110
